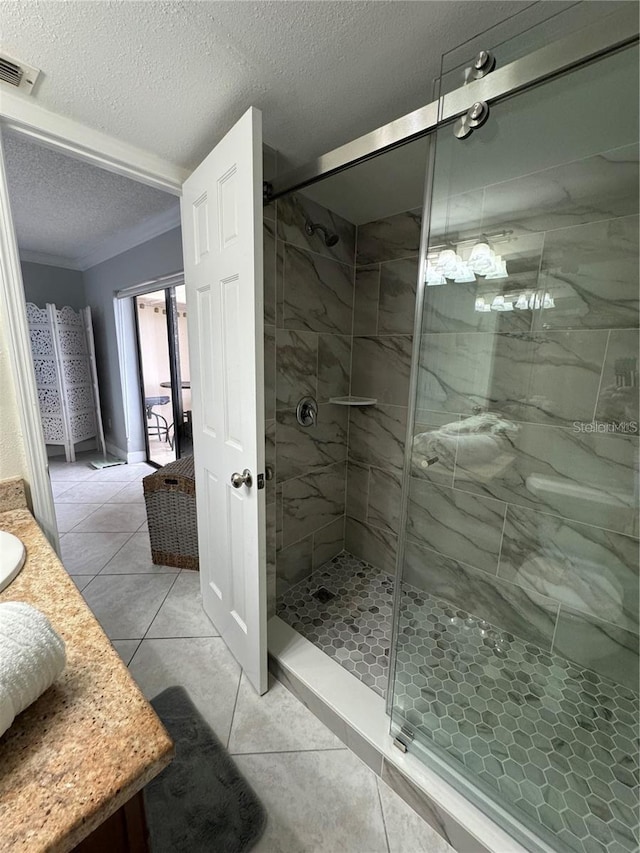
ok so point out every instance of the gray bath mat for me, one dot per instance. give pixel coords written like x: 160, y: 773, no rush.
x: 200, y: 803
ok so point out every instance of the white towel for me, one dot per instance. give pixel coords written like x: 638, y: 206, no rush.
x: 478, y: 444
x: 32, y: 656
x: 578, y: 583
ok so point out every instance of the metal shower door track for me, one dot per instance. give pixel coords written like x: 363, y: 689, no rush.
x: 615, y: 31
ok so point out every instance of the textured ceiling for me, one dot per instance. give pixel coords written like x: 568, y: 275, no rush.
x: 65, y: 208
x: 171, y: 77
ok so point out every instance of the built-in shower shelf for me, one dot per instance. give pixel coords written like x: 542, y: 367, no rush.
x: 353, y: 401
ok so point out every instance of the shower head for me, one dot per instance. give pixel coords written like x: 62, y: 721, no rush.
x: 329, y: 238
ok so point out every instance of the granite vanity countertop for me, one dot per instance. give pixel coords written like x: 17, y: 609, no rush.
x: 91, y: 741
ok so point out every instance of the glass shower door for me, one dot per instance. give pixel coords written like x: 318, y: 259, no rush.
x: 516, y: 633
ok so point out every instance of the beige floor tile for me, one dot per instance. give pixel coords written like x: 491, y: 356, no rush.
x: 317, y: 802
x: 182, y: 615
x: 89, y: 492
x: 59, y: 487
x: 68, y: 516
x: 406, y: 831
x: 113, y: 518
x: 126, y: 605
x: 70, y: 472
x: 203, y: 666
x: 135, y: 557
x: 131, y: 493
x: 276, y: 722
x: 87, y: 553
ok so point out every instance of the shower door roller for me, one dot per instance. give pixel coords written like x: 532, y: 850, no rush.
x: 244, y: 479
x: 475, y: 117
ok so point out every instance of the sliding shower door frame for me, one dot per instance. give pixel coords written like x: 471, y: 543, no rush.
x: 590, y: 43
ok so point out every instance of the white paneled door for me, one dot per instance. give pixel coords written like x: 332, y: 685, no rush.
x: 222, y: 239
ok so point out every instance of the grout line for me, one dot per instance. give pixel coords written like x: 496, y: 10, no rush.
x: 555, y: 630
x: 86, y: 586
x: 386, y: 530
x: 144, y: 636
x: 235, y: 705
x: 604, y: 364
x: 81, y: 520
x: 367, y: 494
x: 384, y: 822
x: 317, y: 376
x: 296, y: 751
x: 412, y: 257
x: 541, y: 424
x: 504, y: 524
x: 379, y: 286
x: 133, y: 574
x: 510, y: 502
x: 312, y: 533
x: 186, y: 637
x: 134, y: 653
x: 312, y: 472
x: 128, y: 539
x: 310, y: 251
x: 349, y: 390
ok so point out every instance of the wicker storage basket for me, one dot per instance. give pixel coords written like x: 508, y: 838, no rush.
x: 170, y: 496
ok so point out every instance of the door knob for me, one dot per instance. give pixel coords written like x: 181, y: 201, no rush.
x: 244, y: 479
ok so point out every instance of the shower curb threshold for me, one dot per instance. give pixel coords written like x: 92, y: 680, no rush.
x: 357, y: 716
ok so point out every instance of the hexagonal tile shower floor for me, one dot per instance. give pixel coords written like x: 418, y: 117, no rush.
x: 354, y: 625
x: 557, y: 742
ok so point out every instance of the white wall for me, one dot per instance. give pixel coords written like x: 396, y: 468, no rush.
x: 12, y: 454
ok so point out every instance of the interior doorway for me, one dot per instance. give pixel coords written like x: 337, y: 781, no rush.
x: 165, y: 383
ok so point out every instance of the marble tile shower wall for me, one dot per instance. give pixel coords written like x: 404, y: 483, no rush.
x: 533, y: 523
x: 308, y: 320
x: 383, y: 319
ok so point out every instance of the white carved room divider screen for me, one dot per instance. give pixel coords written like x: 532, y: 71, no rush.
x: 66, y: 378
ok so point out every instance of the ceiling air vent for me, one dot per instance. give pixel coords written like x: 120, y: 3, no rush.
x: 17, y: 74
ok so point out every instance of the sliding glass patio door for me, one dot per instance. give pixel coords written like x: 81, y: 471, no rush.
x: 161, y: 323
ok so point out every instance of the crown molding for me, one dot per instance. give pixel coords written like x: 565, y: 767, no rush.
x: 48, y: 260
x: 129, y: 238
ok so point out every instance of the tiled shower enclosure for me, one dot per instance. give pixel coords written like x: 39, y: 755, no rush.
x: 338, y: 322
x: 516, y: 642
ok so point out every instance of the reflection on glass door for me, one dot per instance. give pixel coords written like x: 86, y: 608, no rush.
x: 164, y: 373
x: 517, y: 629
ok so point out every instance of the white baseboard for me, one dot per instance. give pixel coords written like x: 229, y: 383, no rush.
x: 129, y: 457
x: 112, y: 450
